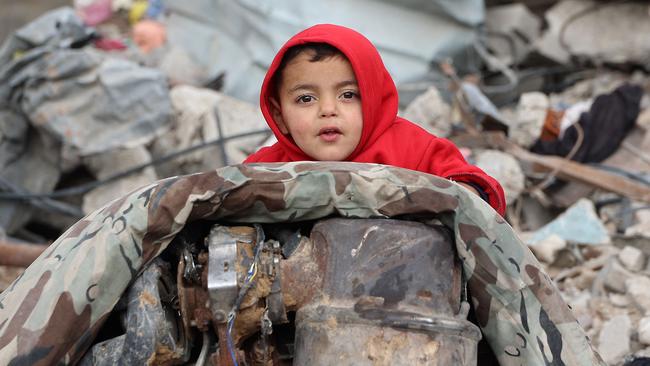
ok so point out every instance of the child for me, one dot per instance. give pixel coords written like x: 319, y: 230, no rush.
x: 328, y: 97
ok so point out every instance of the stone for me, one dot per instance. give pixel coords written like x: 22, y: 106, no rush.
x: 637, y: 288
x: 619, y: 300
x: 644, y: 330
x: 530, y: 116
x: 547, y: 249
x: 505, y: 169
x: 616, y: 276
x: 573, y: 29
x: 505, y: 26
x: 431, y: 112
x: 578, y: 224
x: 614, y: 339
x: 642, y: 224
x: 202, y: 116
x: 632, y: 258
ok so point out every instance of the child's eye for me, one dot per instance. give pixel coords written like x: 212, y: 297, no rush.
x: 305, y: 99
x: 349, y: 95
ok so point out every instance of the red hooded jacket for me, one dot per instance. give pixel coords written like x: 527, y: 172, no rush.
x: 385, y: 138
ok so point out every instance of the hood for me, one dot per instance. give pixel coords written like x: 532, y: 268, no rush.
x: 379, y: 98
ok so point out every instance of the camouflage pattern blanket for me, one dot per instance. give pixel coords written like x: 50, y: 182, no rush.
x: 51, y: 314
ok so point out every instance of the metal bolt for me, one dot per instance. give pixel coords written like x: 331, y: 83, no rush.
x: 219, y: 316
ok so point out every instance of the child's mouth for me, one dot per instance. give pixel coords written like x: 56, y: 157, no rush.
x: 329, y: 134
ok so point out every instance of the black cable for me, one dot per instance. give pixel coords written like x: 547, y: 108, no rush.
x: 44, y: 203
x: 616, y: 170
x: 81, y: 189
x: 222, y: 144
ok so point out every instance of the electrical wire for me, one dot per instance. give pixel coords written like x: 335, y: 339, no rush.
x: 222, y: 145
x: 44, y: 203
x: 81, y: 189
x: 616, y: 170
x: 204, y: 350
x: 248, y: 282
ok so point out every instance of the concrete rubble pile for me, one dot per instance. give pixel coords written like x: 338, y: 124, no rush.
x: 568, y: 140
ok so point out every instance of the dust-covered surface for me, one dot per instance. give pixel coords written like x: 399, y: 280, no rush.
x: 574, y: 89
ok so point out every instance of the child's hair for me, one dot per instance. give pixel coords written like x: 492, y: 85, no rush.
x: 322, y: 51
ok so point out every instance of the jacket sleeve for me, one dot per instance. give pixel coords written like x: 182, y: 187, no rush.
x: 442, y: 158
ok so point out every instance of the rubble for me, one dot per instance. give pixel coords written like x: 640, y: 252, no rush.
x: 511, y: 29
x: 614, y: 339
x: 531, y: 113
x: 592, y: 29
x: 637, y: 288
x: 644, y: 330
x: 578, y: 224
x: 175, y: 93
x: 504, y: 168
x: 431, y: 112
x: 547, y: 249
x: 632, y: 258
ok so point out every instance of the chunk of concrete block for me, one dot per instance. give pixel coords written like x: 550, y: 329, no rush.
x: 638, y: 288
x: 632, y: 258
x: 616, y: 277
x: 614, y: 339
x: 530, y: 117
x: 431, y: 112
x: 547, y: 249
x: 505, y: 169
x: 578, y: 224
x: 644, y: 330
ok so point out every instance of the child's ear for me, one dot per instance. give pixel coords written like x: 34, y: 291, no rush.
x: 276, y: 113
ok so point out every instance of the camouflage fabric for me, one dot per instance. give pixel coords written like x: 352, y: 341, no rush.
x: 51, y: 314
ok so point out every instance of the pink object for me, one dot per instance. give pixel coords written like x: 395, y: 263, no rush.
x: 95, y: 12
x: 108, y: 44
x: 149, y: 35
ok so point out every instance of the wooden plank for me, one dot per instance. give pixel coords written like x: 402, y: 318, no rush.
x: 571, y: 170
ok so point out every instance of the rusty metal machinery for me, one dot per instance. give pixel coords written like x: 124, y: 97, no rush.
x: 365, y: 292
x: 347, y: 292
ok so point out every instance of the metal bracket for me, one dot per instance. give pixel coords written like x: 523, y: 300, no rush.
x: 222, y: 271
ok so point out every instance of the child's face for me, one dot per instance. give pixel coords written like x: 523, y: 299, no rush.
x: 320, y: 106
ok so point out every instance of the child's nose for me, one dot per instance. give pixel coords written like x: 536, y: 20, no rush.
x: 328, y: 107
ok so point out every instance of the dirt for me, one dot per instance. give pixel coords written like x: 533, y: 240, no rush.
x: 146, y: 298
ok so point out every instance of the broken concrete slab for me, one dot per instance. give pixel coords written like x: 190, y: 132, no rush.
x: 505, y: 169
x: 593, y: 30
x: 578, y: 224
x: 530, y: 115
x: 431, y: 112
x: 512, y: 31
x: 616, y: 276
x: 643, y: 330
x: 546, y: 250
x: 632, y: 258
x: 614, y: 339
x: 202, y: 116
x: 637, y: 288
